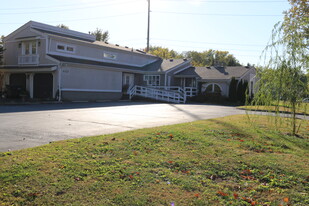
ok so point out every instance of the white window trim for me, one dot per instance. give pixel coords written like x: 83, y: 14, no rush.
x: 23, y: 47
x: 152, y: 76
x: 65, y: 48
x: 108, y: 55
x: 213, y: 87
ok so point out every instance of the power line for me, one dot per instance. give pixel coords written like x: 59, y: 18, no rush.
x: 85, y: 19
x: 79, y: 4
x: 205, y: 14
x: 52, y: 6
x: 69, y: 9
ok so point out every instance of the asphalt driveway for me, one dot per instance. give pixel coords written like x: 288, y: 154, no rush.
x: 24, y: 126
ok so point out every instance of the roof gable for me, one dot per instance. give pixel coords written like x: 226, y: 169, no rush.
x: 45, y: 28
x: 168, y: 64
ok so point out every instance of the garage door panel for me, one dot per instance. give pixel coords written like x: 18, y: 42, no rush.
x: 43, y: 86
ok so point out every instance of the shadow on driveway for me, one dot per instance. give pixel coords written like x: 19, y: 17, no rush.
x: 195, y: 117
x: 65, y: 106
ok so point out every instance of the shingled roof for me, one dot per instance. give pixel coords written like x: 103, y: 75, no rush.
x: 96, y: 63
x: 167, y: 64
x: 224, y: 73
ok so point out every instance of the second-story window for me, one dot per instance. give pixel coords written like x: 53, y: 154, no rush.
x: 29, y: 48
x: 109, y: 55
x: 70, y: 49
x: 33, y: 47
x: 65, y: 48
x: 61, y: 47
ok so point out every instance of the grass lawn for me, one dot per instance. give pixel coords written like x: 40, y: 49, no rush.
x: 224, y: 161
x: 302, y: 109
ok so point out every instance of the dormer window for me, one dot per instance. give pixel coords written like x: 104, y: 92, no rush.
x: 65, y: 48
x: 29, y: 48
x: 29, y: 51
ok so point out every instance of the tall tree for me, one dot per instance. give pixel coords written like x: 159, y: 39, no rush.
x: 62, y: 26
x: 212, y: 58
x: 295, y: 31
x: 281, y: 81
x: 233, y: 89
x: 164, y: 53
x: 100, y: 35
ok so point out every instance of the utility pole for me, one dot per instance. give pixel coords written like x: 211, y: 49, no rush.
x: 148, y: 29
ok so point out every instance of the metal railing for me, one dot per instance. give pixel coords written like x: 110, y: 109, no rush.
x: 28, y: 59
x: 158, y: 94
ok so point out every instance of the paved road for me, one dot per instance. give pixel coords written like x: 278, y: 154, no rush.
x: 25, y: 126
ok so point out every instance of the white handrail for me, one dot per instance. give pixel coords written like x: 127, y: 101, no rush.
x: 28, y: 59
x: 159, y: 94
x: 189, y: 91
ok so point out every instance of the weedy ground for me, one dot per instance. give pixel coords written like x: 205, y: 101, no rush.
x: 224, y: 161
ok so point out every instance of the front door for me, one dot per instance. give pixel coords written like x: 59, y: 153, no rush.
x: 127, y: 81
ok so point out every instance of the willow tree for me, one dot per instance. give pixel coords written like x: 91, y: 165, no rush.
x: 286, y: 58
x: 1, y: 49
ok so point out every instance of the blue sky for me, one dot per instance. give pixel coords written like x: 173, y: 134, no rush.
x: 242, y: 27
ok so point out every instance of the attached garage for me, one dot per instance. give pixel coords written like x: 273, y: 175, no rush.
x: 18, y: 80
x: 43, y: 86
x: 17, y: 85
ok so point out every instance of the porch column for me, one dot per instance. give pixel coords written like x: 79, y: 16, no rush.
x: 31, y: 75
x: 27, y: 82
x: 7, y: 79
x: 2, y: 81
x: 54, y: 84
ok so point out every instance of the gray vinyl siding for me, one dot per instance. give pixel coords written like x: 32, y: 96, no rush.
x: 13, y: 49
x: 96, y: 52
x: 24, y: 33
x: 11, y: 53
x: 247, y: 76
x: 90, y: 79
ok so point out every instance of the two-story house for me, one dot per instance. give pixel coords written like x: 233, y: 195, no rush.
x: 48, y: 62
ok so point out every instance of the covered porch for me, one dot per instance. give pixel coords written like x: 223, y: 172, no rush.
x: 29, y: 83
x: 187, y: 83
